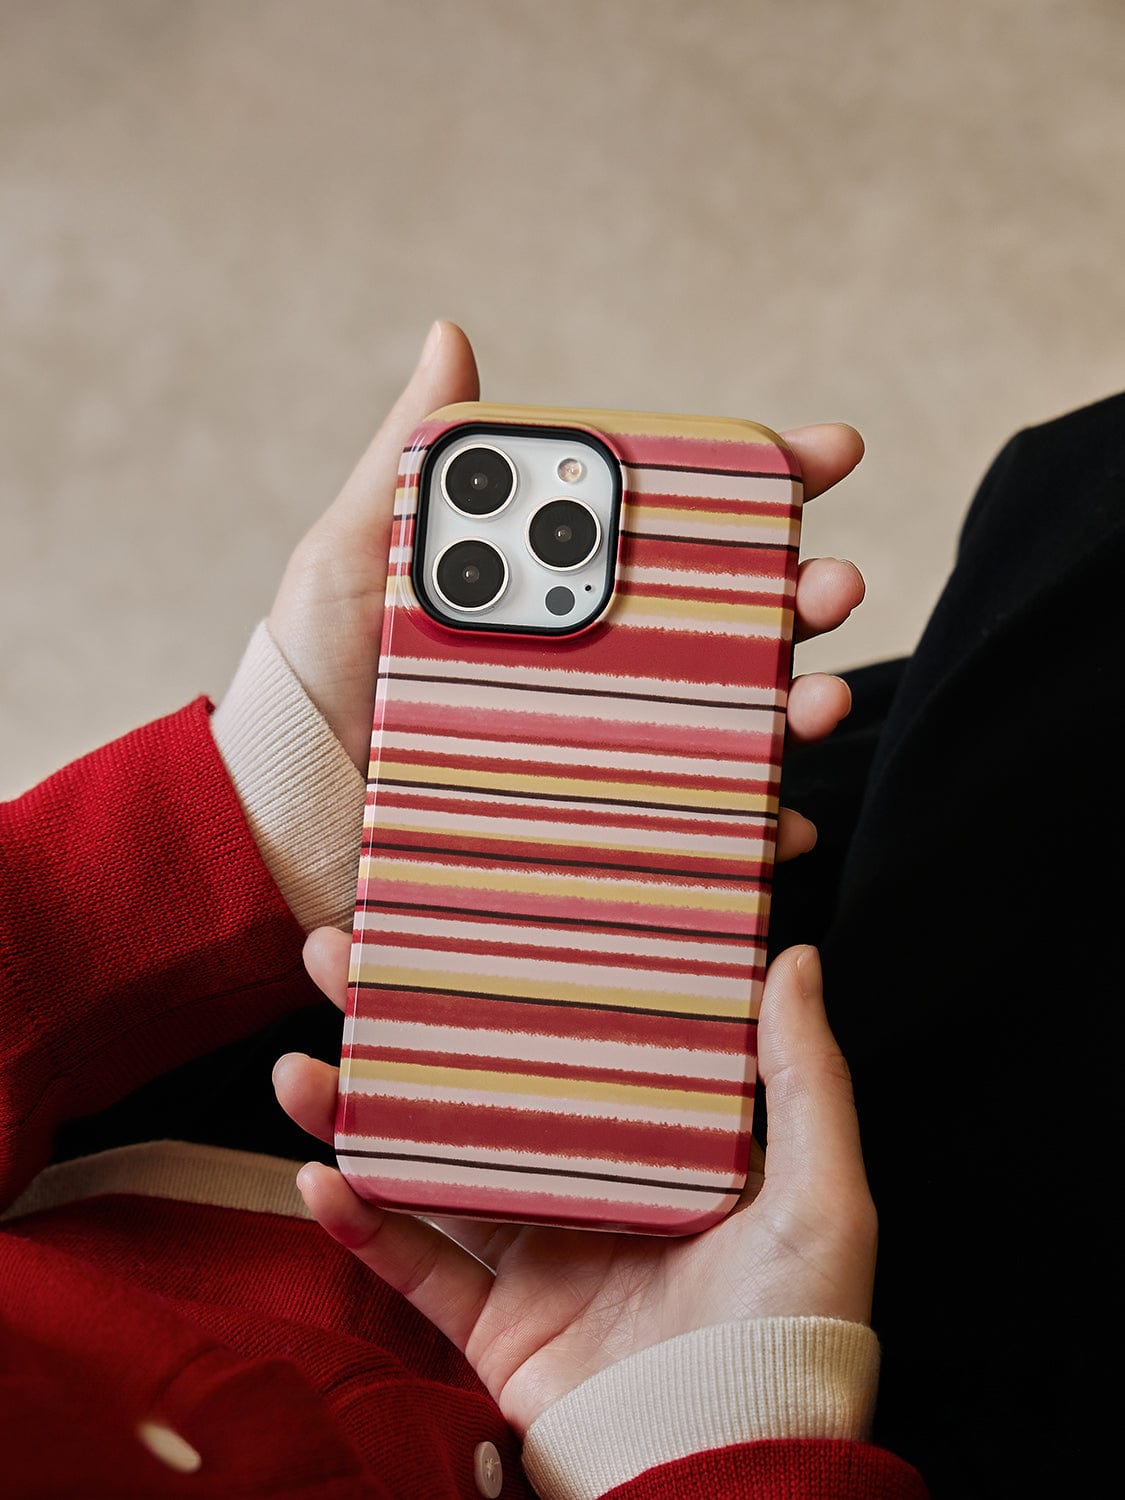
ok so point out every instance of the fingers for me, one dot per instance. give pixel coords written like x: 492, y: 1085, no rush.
x: 446, y: 1283
x: 796, y: 834
x: 817, y: 703
x: 828, y: 589
x: 326, y: 954
x: 446, y: 372
x: 812, y: 1147
x: 306, y: 1089
x: 827, y: 453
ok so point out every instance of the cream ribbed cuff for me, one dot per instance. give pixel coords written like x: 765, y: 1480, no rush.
x: 730, y: 1383
x: 301, y: 794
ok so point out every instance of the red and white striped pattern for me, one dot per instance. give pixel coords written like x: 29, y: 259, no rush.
x: 564, y: 884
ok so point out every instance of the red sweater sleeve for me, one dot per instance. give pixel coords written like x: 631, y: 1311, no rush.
x: 139, y: 928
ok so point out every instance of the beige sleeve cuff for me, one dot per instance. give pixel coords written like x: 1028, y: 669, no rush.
x: 731, y: 1383
x: 301, y: 794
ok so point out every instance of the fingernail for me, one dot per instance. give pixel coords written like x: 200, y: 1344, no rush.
x: 430, y: 347
x: 305, y: 1177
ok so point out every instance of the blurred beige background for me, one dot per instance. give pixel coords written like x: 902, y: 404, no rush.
x: 225, y: 226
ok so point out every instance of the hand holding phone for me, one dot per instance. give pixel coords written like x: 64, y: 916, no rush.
x: 327, y: 616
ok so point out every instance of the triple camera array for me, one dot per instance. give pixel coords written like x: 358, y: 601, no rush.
x: 562, y: 535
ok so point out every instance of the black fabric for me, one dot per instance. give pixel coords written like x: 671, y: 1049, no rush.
x: 965, y: 893
x: 973, y: 978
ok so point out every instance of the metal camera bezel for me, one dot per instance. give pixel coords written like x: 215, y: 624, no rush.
x: 470, y: 609
x: 568, y: 567
x: 470, y: 514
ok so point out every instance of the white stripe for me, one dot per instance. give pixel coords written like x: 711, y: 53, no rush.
x: 742, y: 583
x: 587, y: 881
x: 621, y: 944
x: 699, y: 625
x: 603, y: 982
x: 772, y: 489
x: 676, y: 1062
x: 657, y: 1113
x: 707, y: 528
x: 563, y: 1189
x: 439, y: 1172
x: 652, y: 761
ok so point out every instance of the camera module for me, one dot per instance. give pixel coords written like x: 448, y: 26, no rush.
x: 479, y: 481
x: 470, y: 575
x: 563, y: 534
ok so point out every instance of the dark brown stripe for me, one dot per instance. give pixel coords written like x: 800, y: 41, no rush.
x: 429, y: 989
x: 716, y: 874
x: 534, y: 687
x: 711, y: 812
x: 503, y: 1166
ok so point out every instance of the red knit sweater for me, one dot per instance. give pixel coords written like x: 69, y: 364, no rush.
x: 139, y: 928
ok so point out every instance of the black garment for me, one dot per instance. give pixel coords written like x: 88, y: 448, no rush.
x: 964, y: 892
x: 973, y: 978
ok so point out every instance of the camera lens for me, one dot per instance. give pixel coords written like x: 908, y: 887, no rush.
x: 563, y: 534
x: 479, y: 481
x: 470, y: 575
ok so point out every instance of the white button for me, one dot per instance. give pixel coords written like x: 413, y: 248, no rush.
x: 170, y: 1448
x: 488, y: 1471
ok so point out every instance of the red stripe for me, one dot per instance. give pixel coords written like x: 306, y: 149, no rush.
x: 735, y: 1088
x: 705, y: 453
x: 679, y: 658
x: 711, y: 504
x: 582, y: 1022
x: 742, y: 562
x: 566, y: 727
x: 634, y: 1144
x: 535, y: 1206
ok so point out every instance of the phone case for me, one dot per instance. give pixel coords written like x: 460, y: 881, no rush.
x: 564, y: 884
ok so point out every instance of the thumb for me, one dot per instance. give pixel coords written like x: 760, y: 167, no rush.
x: 812, y: 1145
x: 446, y: 372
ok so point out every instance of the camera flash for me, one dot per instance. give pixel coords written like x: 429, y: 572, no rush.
x: 571, y: 470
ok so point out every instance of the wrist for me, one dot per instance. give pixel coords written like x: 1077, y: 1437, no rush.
x: 301, y: 795
x: 735, y: 1382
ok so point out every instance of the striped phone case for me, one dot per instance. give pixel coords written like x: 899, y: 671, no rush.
x: 564, y: 885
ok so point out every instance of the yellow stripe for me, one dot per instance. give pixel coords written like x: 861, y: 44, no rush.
x: 375, y: 1070
x: 692, y: 609
x: 634, y: 423
x: 748, y: 903
x: 570, y: 992
x: 649, y: 794
x: 699, y: 517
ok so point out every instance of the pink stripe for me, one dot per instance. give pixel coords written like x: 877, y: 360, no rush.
x: 640, y: 911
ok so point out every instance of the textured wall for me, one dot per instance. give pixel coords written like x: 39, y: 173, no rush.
x: 225, y: 226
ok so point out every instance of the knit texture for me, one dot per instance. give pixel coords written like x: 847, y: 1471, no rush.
x: 302, y: 797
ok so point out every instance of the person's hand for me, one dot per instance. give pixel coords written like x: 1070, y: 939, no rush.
x: 327, y: 618
x: 538, y: 1310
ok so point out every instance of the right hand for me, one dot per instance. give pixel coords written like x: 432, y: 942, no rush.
x: 558, y: 1305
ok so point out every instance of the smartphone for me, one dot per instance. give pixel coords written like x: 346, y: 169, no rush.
x: 564, y: 885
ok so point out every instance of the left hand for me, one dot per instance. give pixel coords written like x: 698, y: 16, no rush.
x: 327, y: 618
x: 537, y: 1309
